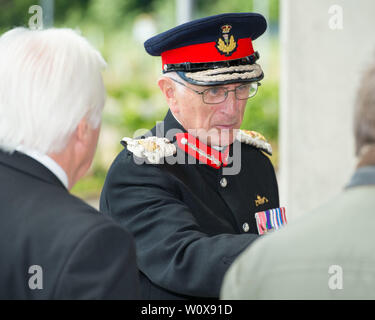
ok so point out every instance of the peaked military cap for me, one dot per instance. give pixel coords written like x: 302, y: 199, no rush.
x: 212, y: 50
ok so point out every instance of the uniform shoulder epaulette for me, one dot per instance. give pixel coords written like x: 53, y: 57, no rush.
x: 255, y: 139
x: 151, y: 148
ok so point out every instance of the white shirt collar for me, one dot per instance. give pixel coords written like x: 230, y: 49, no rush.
x: 48, y: 162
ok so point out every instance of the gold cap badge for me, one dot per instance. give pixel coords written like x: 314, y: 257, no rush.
x: 226, y: 45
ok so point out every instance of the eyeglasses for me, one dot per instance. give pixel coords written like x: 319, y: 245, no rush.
x: 215, y: 95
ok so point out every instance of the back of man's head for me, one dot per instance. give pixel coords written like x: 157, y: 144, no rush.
x: 364, y: 119
x: 50, y: 80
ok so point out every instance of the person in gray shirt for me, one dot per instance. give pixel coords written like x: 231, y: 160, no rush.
x: 328, y: 253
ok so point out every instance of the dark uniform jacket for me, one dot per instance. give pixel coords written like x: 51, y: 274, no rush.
x: 53, y: 245
x: 188, y: 226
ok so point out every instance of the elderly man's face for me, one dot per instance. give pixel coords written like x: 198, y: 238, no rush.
x: 213, y: 124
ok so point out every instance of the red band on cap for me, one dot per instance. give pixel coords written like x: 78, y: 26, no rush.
x: 206, y: 52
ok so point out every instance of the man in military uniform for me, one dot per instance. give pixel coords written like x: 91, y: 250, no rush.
x: 189, y: 189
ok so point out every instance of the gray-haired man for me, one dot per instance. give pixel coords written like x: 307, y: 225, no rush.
x: 52, y: 244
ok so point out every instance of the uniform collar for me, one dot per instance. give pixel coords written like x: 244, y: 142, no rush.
x: 169, y: 123
x: 192, y: 146
x: 202, y: 152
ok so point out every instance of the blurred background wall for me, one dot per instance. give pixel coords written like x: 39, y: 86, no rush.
x: 325, y: 47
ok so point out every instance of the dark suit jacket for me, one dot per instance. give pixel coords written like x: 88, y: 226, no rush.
x: 82, y: 254
x: 188, y: 228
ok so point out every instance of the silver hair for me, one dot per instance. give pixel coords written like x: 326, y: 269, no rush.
x: 50, y: 80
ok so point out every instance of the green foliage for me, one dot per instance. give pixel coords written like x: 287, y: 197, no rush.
x: 212, y: 7
x: 14, y: 13
x: 274, y: 11
x: 206, y: 8
x: 262, y: 111
x: 262, y: 115
x: 92, y: 184
x: 134, y: 100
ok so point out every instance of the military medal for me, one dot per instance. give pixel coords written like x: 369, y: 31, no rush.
x: 270, y: 220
